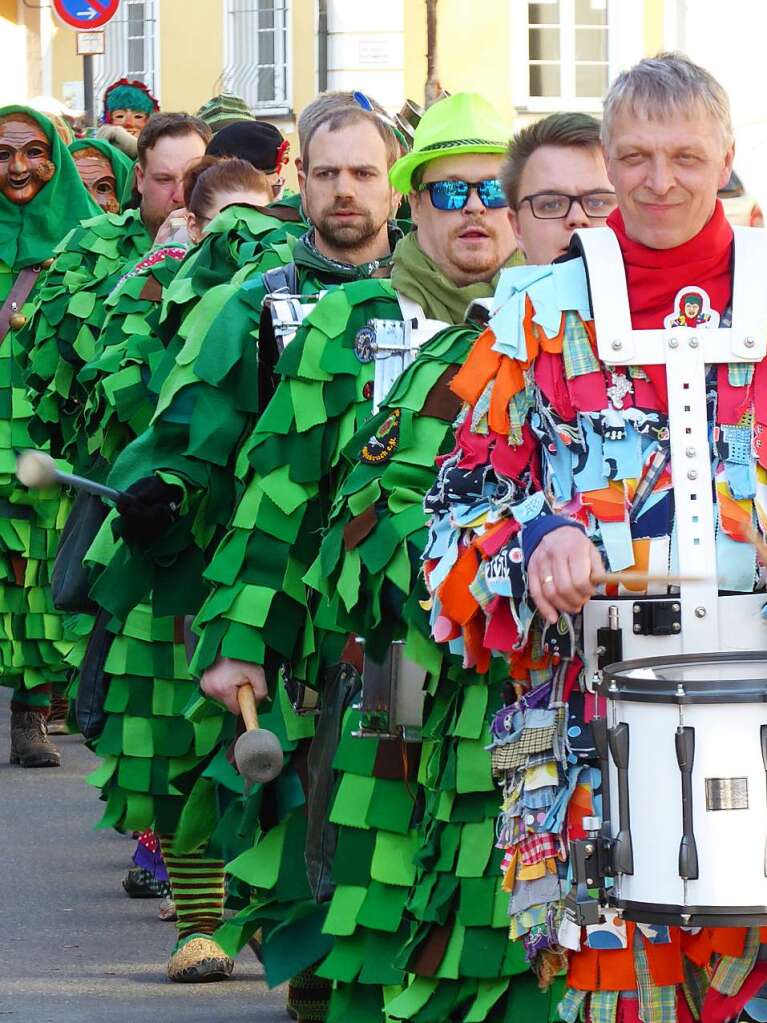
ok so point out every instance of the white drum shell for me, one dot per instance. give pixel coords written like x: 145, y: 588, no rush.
x: 731, y: 843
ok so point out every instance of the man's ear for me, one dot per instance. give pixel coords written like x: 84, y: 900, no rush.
x: 514, y: 221
x: 729, y: 158
x: 414, y: 199
x: 139, y: 179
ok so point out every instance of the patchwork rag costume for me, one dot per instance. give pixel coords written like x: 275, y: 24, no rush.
x: 570, y: 420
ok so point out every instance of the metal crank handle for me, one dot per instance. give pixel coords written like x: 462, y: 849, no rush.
x: 36, y: 469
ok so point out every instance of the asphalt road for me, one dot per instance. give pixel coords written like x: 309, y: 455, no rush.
x: 73, y: 947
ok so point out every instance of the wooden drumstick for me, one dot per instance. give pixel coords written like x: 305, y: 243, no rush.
x: 629, y: 576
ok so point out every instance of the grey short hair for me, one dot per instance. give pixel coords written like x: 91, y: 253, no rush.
x: 336, y: 109
x: 663, y: 86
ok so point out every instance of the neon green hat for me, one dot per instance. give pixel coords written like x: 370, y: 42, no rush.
x: 463, y: 123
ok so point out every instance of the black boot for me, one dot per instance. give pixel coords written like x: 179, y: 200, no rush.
x: 30, y: 745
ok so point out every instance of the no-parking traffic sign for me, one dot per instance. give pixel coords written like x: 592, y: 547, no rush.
x: 86, y: 14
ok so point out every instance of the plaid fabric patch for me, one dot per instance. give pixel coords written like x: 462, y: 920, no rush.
x: 535, y: 848
x: 577, y: 352
x: 740, y: 374
x: 514, y: 754
x: 603, y: 1007
x: 569, y: 1009
x: 656, y: 1004
x: 480, y: 411
x: 731, y: 971
x: 696, y: 984
x: 480, y: 590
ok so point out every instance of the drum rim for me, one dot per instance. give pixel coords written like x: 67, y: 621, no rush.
x: 613, y: 676
x: 689, y: 916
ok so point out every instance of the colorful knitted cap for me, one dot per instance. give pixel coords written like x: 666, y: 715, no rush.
x: 129, y: 94
x: 223, y: 110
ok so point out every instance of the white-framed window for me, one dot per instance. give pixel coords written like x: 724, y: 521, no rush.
x: 565, y: 52
x: 131, y: 47
x: 257, y: 64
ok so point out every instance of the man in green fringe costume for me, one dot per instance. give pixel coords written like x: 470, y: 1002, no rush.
x: 105, y: 171
x: 260, y: 614
x: 69, y: 313
x: 41, y: 200
x: 208, y: 402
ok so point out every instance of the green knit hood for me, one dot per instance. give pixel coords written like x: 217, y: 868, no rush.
x: 418, y: 277
x: 121, y: 163
x: 29, y: 234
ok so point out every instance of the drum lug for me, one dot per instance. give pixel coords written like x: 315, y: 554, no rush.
x: 661, y: 617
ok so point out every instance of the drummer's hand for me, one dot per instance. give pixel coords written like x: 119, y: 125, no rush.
x: 221, y: 681
x: 559, y: 572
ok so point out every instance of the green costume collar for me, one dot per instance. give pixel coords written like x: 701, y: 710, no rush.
x: 307, y: 255
x: 122, y: 165
x: 418, y: 277
x: 29, y: 234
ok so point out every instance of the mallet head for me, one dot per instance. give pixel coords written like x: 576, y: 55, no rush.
x: 258, y: 756
x: 36, y: 469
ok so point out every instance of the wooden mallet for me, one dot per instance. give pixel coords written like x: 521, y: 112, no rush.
x: 257, y: 752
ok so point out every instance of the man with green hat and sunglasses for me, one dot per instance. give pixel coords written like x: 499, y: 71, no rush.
x: 332, y: 378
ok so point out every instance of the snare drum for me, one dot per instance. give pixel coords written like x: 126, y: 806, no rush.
x: 685, y: 791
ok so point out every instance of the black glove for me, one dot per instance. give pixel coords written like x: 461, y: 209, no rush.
x: 148, y: 509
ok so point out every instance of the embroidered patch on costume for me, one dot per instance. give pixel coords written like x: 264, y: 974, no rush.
x: 692, y: 308
x: 384, y: 441
x: 155, y: 257
x: 364, y: 343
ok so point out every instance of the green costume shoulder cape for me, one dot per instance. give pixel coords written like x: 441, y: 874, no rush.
x: 237, y: 238
x: 70, y: 310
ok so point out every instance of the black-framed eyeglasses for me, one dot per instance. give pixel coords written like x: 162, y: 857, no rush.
x: 557, y: 205
x: 453, y: 195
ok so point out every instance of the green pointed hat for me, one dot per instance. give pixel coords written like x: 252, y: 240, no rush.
x: 463, y: 123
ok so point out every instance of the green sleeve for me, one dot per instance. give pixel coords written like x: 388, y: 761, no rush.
x: 287, y: 470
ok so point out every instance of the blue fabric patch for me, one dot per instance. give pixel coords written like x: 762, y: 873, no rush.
x: 571, y: 287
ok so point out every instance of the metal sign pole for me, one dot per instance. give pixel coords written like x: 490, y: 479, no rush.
x: 89, y: 98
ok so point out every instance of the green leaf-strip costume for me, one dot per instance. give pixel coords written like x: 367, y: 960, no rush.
x: 63, y: 333
x: 259, y: 610
x: 32, y: 645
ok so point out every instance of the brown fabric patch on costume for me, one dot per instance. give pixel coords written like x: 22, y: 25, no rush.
x: 397, y: 760
x: 287, y: 214
x: 353, y: 653
x: 428, y: 958
x: 440, y: 402
x: 19, y: 566
x: 178, y: 629
x: 152, y: 290
x: 359, y: 527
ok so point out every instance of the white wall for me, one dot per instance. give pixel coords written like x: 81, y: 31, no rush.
x: 730, y: 41
x: 366, y: 48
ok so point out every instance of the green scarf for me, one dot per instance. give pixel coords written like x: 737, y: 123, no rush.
x: 122, y: 165
x: 307, y: 255
x: 418, y: 277
x: 29, y: 234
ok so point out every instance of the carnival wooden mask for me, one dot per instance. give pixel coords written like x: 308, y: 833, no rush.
x: 98, y: 177
x: 25, y: 158
x: 132, y: 120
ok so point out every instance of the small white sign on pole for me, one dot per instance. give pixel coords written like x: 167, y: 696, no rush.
x: 90, y: 44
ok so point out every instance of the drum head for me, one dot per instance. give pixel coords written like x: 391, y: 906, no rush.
x: 732, y: 677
